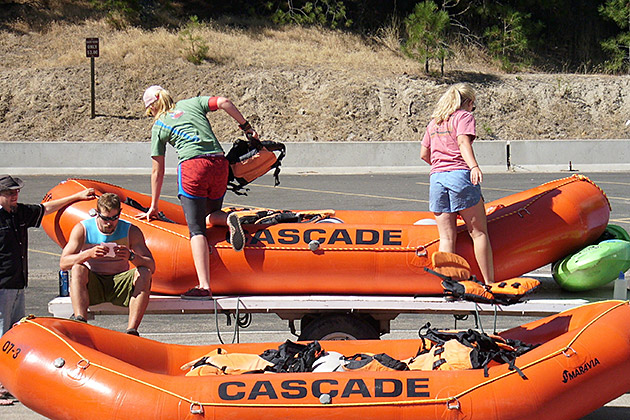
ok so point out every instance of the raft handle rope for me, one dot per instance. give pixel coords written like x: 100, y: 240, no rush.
x: 569, y: 354
x: 196, y: 408
x: 370, y: 404
x: 243, y: 320
x: 453, y: 404
x: 83, y: 364
x: 524, y: 210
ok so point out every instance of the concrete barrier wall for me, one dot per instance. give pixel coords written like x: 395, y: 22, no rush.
x: 582, y: 155
x: 93, y: 158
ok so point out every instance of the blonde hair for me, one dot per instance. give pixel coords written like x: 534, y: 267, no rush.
x: 108, y: 202
x: 452, y: 100
x: 163, y: 104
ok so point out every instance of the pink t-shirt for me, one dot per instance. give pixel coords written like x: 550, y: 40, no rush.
x: 442, y: 141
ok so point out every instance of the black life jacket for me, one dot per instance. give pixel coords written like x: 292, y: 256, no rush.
x: 262, y: 216
x: 292, y: 357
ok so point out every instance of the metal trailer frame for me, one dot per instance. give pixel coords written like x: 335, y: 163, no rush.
x: 329, y: 316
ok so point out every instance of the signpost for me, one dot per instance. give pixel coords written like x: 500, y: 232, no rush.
x: 92, y: 51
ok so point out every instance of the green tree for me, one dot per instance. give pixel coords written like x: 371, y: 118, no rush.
x: 195, y: 46
x: 508, y: 40
x: 426, y: 30
x: 327, y: 13
x: 120, y: 13
x: 617, y: 47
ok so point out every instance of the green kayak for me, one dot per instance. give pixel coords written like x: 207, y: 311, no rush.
x: 593, y: 266
x: 614, y: 232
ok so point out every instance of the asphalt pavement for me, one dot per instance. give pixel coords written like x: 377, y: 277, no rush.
x: 309, y: 191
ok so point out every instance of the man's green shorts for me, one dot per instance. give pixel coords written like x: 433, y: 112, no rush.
x: 114, y: 288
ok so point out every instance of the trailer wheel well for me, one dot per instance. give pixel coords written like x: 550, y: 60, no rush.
x: 338, y: 326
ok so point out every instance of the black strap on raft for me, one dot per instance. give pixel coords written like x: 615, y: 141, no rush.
x: 272, y: 216
x: 485, y: 348
x: 292, y: 357
x: 360, y: 360
x: 204, y: 360
x: 133, y: 203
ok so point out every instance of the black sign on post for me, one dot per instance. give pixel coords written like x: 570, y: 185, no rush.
x: 91, y: 47
x: 91, y: 51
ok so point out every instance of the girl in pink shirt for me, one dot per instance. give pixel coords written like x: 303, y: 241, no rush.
x: 455, y: 175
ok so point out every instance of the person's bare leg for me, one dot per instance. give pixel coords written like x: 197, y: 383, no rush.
x: 216, y: 218
x: 140, y: 299
x: 232, y: 220
x: 78, y: 290
x: 201, y: 258
x: 476, y: 222
x: 447, y: 228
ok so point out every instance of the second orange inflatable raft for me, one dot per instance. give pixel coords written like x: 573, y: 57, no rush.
x: 68, y: 370
x: 365, y: 252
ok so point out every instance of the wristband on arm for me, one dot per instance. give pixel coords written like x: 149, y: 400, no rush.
x: 245, y: 126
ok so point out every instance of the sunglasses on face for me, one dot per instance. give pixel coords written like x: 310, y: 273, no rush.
x: 109, y: 218
x: 11, y: 192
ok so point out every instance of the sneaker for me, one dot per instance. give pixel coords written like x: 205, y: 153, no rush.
x: 78, y: 318
x: 5, y: 396
x: 237, y: 237
x: 197, y: 293
x: 133, y: 331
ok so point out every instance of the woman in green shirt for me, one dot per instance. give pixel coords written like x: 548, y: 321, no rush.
x: 202, y: 172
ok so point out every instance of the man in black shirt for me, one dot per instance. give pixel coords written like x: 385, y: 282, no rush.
x: 15, y: 219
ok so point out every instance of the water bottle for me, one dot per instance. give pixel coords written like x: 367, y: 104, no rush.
x: 620, y: 291
x: 64, y: 283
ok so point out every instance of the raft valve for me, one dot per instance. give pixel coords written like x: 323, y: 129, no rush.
x: 313, y: 245
x: 325, y: 398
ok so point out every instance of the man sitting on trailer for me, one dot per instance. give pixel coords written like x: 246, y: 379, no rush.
x: 98, y: 252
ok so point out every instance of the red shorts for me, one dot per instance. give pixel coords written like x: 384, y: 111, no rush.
x: 203, y: 177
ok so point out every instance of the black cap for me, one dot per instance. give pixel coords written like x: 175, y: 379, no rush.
x: 7, y: 182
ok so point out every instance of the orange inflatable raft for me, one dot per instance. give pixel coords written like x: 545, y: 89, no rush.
x: 68, y: 370
x: 364, y: 252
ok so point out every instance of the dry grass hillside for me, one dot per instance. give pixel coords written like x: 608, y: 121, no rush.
x: 293, y: 85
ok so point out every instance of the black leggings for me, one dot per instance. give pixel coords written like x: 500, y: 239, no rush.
x: 196, y: 211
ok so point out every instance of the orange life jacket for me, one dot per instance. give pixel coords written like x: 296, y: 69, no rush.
x: 252, y: 159
x: 467, y: 349
x: 229, y: 364
x: 452, y: 355
x: 457, y: 282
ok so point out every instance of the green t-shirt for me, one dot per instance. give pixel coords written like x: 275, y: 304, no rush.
x: 187, y: 129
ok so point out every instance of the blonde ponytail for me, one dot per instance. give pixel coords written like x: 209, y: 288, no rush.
x: 452, y: 100
x: 163, y: 104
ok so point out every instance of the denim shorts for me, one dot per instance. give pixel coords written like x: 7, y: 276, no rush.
x: 452, y: 191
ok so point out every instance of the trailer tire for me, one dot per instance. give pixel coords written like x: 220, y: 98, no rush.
x: 337, y: 327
